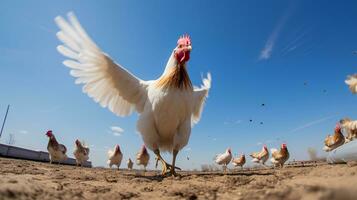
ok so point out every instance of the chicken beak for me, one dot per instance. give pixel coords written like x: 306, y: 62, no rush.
x: 189, y: 48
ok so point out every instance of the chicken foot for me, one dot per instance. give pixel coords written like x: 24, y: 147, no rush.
x: 165, y: 165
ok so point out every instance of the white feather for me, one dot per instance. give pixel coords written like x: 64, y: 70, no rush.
x: 92, y: 64
x: 351, y: 81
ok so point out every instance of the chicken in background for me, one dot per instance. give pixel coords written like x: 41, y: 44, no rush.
x: 224, y: 159
x: 168, y: 107
x: 57, y: 152
x: 260, y: 157
x: 239, y: 162
x: 115, y: 157
x: 130, y: 164
x: 335, y: 140
x: 351, y: 81
x: 279, y: 157
x: 143, y: 157
x: 350, y: 127
x: 81, y: 153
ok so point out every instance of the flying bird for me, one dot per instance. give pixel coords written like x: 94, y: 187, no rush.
x: 57, y: 152
x: 351, y: 81
x: 81, y: 153
x: 143, y: 157
x: 279, y: 157
x: 115, y: 157
x: 224, y: 158
x: 350, y: 127
x: 260, y: 157
x: 168, y: 106
x: 335, y: 140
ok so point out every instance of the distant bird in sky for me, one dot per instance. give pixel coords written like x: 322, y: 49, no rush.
x: 263, y: 104
x: 261, y: 123
x: 168, y: 106
x: 57, y: 152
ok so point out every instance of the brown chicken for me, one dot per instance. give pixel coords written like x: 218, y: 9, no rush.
x: 350, y: 127
x: 280, y: 157
x: 335, y: 140
x: 143, y: 157
x: 262, y: 156
x: 57, y: 152
x: 81, y: 153
x: 239, y: 161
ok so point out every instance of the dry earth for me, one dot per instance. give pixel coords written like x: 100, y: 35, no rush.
x: 21, y: 179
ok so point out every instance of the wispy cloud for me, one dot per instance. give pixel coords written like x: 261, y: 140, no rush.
x: 116, y: 130
x: 312, y: 123
x: 187, y: 149
x: 50, y: 110
x: 268, y: 48
x: 232, y: 122
x: 23, y: 132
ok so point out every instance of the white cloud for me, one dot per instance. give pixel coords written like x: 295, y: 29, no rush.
x: 23, y: 132
x: 259, y: 143
x: 232, y: 122
x: 266, y: 52
x: 116, y: 130
x: 187, y: 149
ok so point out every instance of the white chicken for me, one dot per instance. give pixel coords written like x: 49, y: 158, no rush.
x: 81, y: 153
x: 224, y: 158
x: 168, y: 106
x: 351, y: 81
x: 57, y: 152
x: 143, y: 157
x: 115, y: 157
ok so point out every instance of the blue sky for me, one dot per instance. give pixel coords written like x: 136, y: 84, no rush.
x: 258, y: 52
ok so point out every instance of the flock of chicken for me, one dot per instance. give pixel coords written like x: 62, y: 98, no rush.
x: 57, y: 153
x: 338, y: 139
x: 279, y: 157
x: 168, y: 107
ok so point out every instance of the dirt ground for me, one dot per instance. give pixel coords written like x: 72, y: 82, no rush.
x: 21, y: 179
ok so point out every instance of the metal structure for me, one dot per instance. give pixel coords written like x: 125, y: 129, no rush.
x: 3, y: 123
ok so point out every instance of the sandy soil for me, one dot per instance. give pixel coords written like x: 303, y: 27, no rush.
x: 32, y: 180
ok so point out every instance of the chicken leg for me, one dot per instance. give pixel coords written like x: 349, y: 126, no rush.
x: 165, y: 165
x: 174, y: 154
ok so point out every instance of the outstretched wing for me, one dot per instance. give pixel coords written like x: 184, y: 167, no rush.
x: 108, y: 83
x: 351, y: 81
x: 200, y: 95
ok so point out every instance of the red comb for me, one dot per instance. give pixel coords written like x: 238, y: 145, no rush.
x: 184, y: 40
